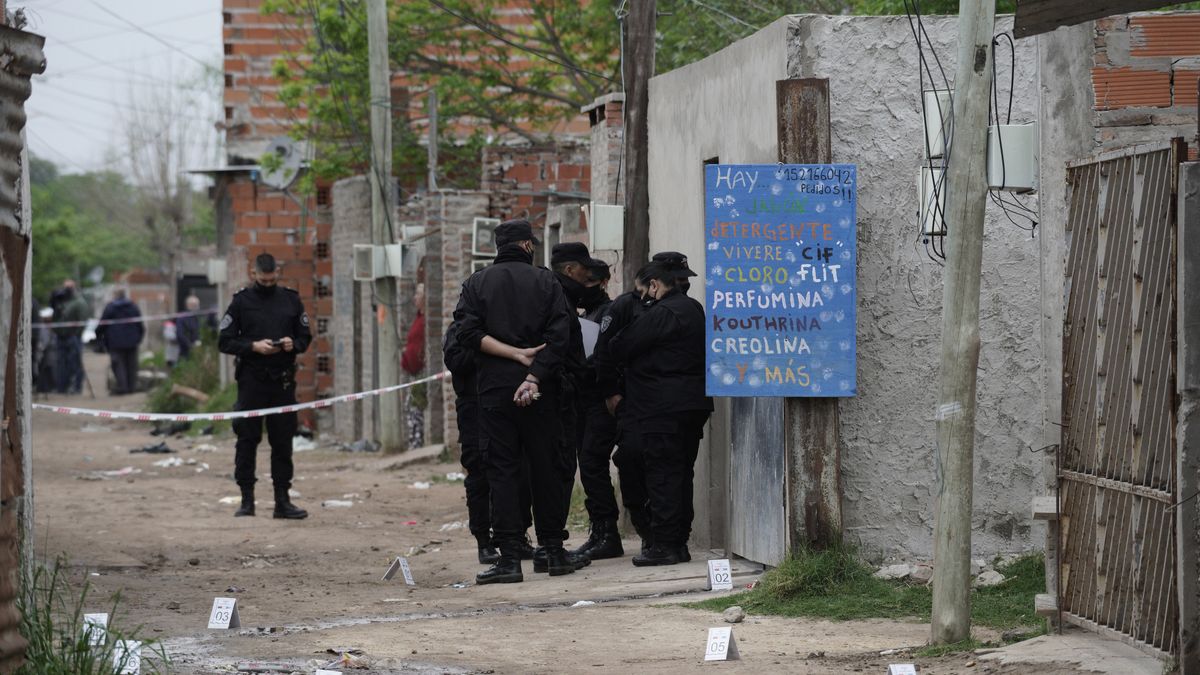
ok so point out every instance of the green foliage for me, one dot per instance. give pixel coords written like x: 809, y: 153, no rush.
x: 52, y: 623
x: 81, y: 221
x: 835, y: 584
x: 200, y: 370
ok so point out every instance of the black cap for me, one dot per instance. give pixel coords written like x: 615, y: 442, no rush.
x: 674, y: 262
x: 511, y: 231
x: 574, y: 251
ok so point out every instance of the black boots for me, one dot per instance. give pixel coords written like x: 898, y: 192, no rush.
x: 555, y: 560
x: 524, y: 549
x: 284, y: 508
x: 541, y: 562
x: 247, y: 507
x: 603, y: 542
x: 488, y: 555
x: 507, y: 569
x: 658, y: 554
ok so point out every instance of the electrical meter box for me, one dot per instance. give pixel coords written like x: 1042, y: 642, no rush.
x: 1012, y: 157
x: 606, y: 227
x: 937, y: 121
x: 931, y: 190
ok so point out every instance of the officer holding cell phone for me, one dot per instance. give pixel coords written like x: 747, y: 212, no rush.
x: 265, y: 327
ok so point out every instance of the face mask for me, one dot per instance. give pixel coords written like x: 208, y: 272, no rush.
x: 571, y: 288
x: 592, y: 297
x: 263, y: 290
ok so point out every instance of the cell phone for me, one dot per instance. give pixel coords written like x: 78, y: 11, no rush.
x: 276, y: 343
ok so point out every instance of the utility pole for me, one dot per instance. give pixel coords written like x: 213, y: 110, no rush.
x: 433, y: 139
x: 966, y: 194
x: 637, y: 67
x: 382, y: 209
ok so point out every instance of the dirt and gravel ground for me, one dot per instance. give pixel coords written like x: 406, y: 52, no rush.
x: 164, y: 538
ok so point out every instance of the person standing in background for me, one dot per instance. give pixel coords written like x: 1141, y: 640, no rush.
x: 121, y: 339
x: 69, y: 307
x: 187, y: 328
x: 412, y: 360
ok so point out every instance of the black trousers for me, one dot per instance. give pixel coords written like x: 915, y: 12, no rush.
x: 669, y: 449
x: 479, y: 507
x: 513, y: 439
x: 124, y: 366
x: 597, y: 437
x: 255, y: 393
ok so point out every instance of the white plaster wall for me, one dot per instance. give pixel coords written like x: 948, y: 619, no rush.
x: 725, y: 106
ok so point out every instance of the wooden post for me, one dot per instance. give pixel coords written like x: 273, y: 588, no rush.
x: 813, y: 455
x: 638, y: 67
x: 966, y: 194
x: 387, y: 345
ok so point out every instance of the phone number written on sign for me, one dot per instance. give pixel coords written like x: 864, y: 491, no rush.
x: 781, y: 291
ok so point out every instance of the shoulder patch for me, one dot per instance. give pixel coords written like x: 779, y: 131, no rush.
x: 287, y: 288
x: 241, y: 290
x: 605, y: 322
x: 226, y: 321
x: 304, y: 319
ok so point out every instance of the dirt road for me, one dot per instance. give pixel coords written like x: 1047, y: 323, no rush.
x: 164, y: 537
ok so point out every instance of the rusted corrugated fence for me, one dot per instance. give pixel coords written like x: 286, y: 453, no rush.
x: 1117, y: 459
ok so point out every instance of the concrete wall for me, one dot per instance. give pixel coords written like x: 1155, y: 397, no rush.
x: 724, y: 107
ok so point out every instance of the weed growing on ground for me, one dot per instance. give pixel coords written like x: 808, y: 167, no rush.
x: 835, y: 584
x: 52, y: 623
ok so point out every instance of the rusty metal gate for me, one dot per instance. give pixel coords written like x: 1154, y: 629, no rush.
x: 1116, y: 473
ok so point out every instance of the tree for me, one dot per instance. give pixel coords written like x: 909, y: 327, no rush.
x: 493, y: 78
x: 82, y: 221
x: 164, y: 138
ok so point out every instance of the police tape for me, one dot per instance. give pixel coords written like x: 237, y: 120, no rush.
x: 128, y: 319
x: 237, y: 414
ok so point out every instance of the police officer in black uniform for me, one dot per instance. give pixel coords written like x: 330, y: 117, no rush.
x: 597, y: 435
x: 663, y: 354
x: 265, y: 327
x: 516, y: 317
x: 463, y: 365
x: 610, y: 384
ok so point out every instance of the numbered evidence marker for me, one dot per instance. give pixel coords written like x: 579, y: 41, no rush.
x: 902, y: 669
x: 721, y: 645
x: 95, y: 627
x: 720, y: 575
x: 127, y: 655
x: 401, y: 564
x: 224, y: 614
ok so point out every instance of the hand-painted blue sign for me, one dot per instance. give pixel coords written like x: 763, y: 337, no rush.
x: 781, y: 288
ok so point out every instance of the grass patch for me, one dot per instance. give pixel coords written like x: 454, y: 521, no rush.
x: 200, y: 370
x: 577, y: 517
x: 836, y: 585
x: 52, y: 622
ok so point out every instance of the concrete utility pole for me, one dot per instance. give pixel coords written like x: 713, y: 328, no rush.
x: 637, y: 68
x: 966, y: 194
x: 382, y: 210
x: 433, y: 140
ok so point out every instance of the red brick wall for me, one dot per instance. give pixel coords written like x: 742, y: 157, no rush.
x: 268, y: 221
x: 252, y: 42
x: 526, y: 180
x: 1144, y: 75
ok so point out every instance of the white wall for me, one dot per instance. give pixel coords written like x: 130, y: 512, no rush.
x: 724, y: 106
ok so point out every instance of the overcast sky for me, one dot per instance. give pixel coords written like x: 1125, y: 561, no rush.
x: 100, y: 69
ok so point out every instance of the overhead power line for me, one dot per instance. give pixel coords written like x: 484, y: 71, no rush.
x: 148, y: 34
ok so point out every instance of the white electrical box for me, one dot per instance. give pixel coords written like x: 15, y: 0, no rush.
x: 373, y: 262
x: 931, y: 190
x: 938, y: 116
x: 217, y: 272
x: 606, y: 227
x: 1012, y: 157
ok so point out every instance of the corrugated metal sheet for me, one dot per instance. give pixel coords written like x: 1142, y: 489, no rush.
x: 1117, y: 460
x: 1164, y: 35
x: 20, y: 57
x: 1042, y: 16
x: 1131, y: 87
